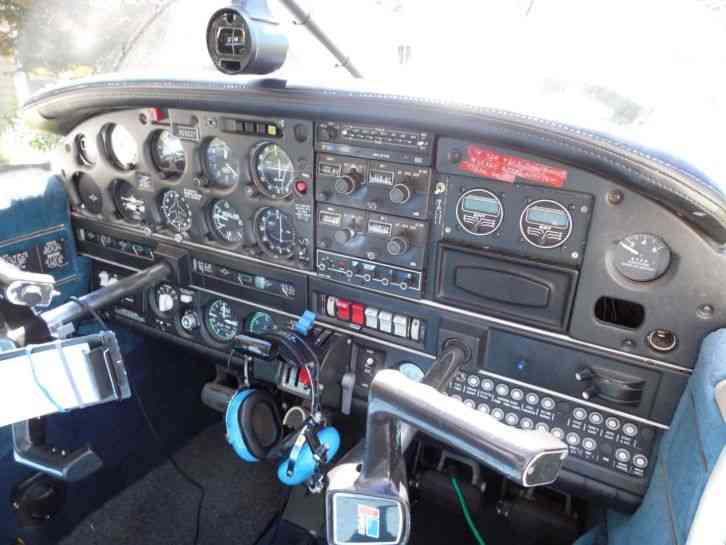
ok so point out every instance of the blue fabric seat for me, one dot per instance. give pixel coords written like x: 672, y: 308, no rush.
x: 686, y: 459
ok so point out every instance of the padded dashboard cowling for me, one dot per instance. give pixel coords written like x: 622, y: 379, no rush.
x: 678, y: 187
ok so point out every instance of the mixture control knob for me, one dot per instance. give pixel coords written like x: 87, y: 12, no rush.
x: 397, y: 246
x: 189, y: 320
x: 400, y: 194
x: 344, y: 235
x: 348, y: 183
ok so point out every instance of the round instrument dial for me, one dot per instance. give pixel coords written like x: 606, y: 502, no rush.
x: 260, y: 322
x: 221, y: 163
x: 167, y: 153
x: 226, y: 221
x: 176, y: 211
x: 129, y: 202
x: 221, y: 321
x: 545, y: 224
x: 642, y: 257
x: 120, y: 147
x: 275, y: 232
x: 87, y: 155
x: 165, y: 300
x: 479, y: 212
x: 90, y: 194
x: 273, y: 171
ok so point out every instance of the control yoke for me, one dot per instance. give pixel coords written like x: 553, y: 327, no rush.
x: 371, y: 505
x: 94, y: 375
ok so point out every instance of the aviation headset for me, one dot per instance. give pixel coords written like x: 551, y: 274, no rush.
x: 254, y: 426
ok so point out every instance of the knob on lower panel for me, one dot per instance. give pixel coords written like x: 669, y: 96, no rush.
x: 400, y: 194
x: 343, y: 235
x: 397, y: 246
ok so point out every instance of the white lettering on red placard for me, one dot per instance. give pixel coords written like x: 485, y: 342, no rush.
x: 507, y: 168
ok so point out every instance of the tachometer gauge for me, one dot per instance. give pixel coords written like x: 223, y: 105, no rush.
x: 221, y: 321
x: 165, y: 299
x: 479, y: 212
x: 176, y: 211
x: 642, y: 257
x: 275, y: 232
x: 273, y: 171
x: 120, y: 147
x: 545, y: 224
x: 167, y: 153
x: 226, y: 221
x: 411, y: 371
x: 129, y: 203
x: 260, y: 322
x: 221, y: 163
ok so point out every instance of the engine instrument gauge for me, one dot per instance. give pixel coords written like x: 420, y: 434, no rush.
x: 90, y: 194
x: 642, y: 257
x: 129, y: 203
x: 165, y: 299
x: 275, y: 232
x: 479, y: 212
x: 411, y: 371
x: 221, y: 164
x: 260, y: 322
x: 120, y: 147
x: 273, y: 171
x: 167, y: 153
x: 221, y: 321
x: 176, y: 211
x: 545, y: 224
x: 226, y: 221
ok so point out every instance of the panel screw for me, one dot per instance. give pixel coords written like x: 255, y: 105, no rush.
x: 615, y: 197
x: 705, y: 311
x: 628, y: 344
x: 574, y: 255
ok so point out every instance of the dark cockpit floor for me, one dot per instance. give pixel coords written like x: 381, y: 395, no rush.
x: 240, y: 501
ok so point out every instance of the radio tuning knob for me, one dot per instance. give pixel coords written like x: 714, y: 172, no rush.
x: 400, y: 193
x: 348, y: 183
x: 343, y: 235
x: 397, y: 246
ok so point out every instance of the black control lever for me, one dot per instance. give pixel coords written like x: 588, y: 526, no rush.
x: 74, y: 310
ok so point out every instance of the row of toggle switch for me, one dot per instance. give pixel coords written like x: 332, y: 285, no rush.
x: 359, y: 314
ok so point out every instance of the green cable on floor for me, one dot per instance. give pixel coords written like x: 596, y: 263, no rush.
x: 465, y: 509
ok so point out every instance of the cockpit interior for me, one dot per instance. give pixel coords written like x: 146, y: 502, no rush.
x: 256, y: 312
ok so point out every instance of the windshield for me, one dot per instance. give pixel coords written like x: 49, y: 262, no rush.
x: 650, y: 72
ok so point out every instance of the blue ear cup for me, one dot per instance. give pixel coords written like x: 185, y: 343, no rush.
x: 305, y: 464
x: 253, y: 424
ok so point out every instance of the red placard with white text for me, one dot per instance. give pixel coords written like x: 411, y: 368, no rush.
x: 490, y: 163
